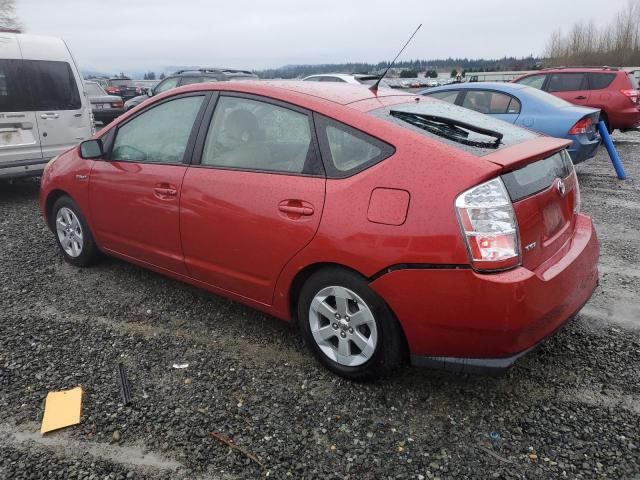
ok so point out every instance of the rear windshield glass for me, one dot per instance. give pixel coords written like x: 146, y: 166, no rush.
x: 455, y: 126
x: 537, y: 176
x: 94, y: 90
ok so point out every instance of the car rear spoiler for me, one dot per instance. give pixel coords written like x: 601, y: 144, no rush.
x: 521, y: 154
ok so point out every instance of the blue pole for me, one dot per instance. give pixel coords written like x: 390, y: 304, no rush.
x: 611, y: 149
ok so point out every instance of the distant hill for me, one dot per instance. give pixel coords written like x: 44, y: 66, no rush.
x: 448, y: 64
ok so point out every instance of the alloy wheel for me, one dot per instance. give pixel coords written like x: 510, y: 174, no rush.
x: 343, y: 326
x: 69, y: 232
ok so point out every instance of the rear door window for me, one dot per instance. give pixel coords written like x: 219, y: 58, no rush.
x: 535, y: 81
x: 598, y: 81
x: 14, y: 96
x: 248, y: 134
x: 53, y: 85
x: 485, y: 101
x: 567, y: 82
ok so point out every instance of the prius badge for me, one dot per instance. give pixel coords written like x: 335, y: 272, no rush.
x: 560, y: 186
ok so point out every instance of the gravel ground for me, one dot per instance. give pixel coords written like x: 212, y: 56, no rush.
x: 569, y: 410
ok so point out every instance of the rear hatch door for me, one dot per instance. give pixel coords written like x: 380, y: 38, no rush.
x: 544, y: 190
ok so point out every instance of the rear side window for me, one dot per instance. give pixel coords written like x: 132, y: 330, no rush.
x: 53, y: 86
x: 14, y: 96
x: 347, y: 151
x: 535, y: 81
x: 485, y: 101
x: 598, y: 81
x: 446, y: 96
x: 633, y: 80
x: 567, y: 82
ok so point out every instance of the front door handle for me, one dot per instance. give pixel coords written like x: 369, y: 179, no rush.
x: 165, y: 191
x: 581, y: 97
x: 49, y: 116
x: 296, y: 208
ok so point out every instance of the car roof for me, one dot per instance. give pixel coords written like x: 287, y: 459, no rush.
x: 576, y: 70
x: 297, y: 91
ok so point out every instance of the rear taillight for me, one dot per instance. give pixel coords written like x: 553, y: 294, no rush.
x: 117, y: 104
x: 581, y: 126
x: 489, y: 226
x: 576, y: 199
x: 112, y: 90
x: 631, y: 94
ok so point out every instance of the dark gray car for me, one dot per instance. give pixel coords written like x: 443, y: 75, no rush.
x: 187, y: 77
x: 105, y: 107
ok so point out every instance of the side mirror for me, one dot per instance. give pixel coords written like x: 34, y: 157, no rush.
x: 91, y: 149
x: 150, y: 92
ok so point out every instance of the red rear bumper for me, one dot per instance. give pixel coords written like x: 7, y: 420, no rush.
x: 469, y: 316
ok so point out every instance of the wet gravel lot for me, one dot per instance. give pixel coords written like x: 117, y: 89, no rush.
x: 569, y: 410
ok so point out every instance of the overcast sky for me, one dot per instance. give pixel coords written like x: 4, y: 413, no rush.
x: 115, y: 35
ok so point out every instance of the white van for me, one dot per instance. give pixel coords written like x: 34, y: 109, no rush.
x: 43, y: 108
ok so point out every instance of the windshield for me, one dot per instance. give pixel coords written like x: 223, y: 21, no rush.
x: 94, y: 90
x: 455, y: 126
x: 121, y: 82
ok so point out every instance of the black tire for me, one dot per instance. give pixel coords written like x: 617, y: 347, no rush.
x: 605, y: 119
x: 89, y: 253
x: 390, y: 349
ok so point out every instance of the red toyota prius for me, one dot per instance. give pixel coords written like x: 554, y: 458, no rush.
x: 388, y: 226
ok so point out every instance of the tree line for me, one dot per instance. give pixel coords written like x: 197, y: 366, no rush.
x: 616, y: 44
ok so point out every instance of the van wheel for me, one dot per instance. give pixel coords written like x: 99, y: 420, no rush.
x: 348, y: 327
x: 72, y: 233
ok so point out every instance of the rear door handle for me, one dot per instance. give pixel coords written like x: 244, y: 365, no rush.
x: 581, y: 97
x: 49, y: 116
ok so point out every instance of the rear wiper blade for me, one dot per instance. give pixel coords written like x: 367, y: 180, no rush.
x: 450, y: 128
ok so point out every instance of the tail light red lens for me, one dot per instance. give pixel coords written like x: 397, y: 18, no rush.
x: 489, y: 226
x: 632, y: 95
x: 118, y: 104
x: 112, y: 90
x: 581, y: 126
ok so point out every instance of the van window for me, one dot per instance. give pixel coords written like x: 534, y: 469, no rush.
x: 14, y: 96
x: 53, y: 86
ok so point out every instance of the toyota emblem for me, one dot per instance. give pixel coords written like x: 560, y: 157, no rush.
x: 561, y: 187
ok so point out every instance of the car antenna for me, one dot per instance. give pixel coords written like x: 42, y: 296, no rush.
x: 374, y: 87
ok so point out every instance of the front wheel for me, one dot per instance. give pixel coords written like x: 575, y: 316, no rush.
x: 348, y: 327
x: 72, y: 233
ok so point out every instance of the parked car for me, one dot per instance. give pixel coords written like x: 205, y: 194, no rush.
x: 43, y: 109
x: 530, y: 108
x: 105, y: 107
x: 124, y: 87
x: 613, y: 91
x: 385, y: 225
x: 342, y: 78
x: 188, y: 77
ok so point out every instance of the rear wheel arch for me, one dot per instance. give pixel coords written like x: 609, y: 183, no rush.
x: 303, y: 275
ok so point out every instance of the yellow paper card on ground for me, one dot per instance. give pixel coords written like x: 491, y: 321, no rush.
x: 62, y: 409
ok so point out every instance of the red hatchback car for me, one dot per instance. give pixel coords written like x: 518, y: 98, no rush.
x: 614, y: 92
x: 384, y: 224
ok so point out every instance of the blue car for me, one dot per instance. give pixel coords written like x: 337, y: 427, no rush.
x: 530, y: 108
